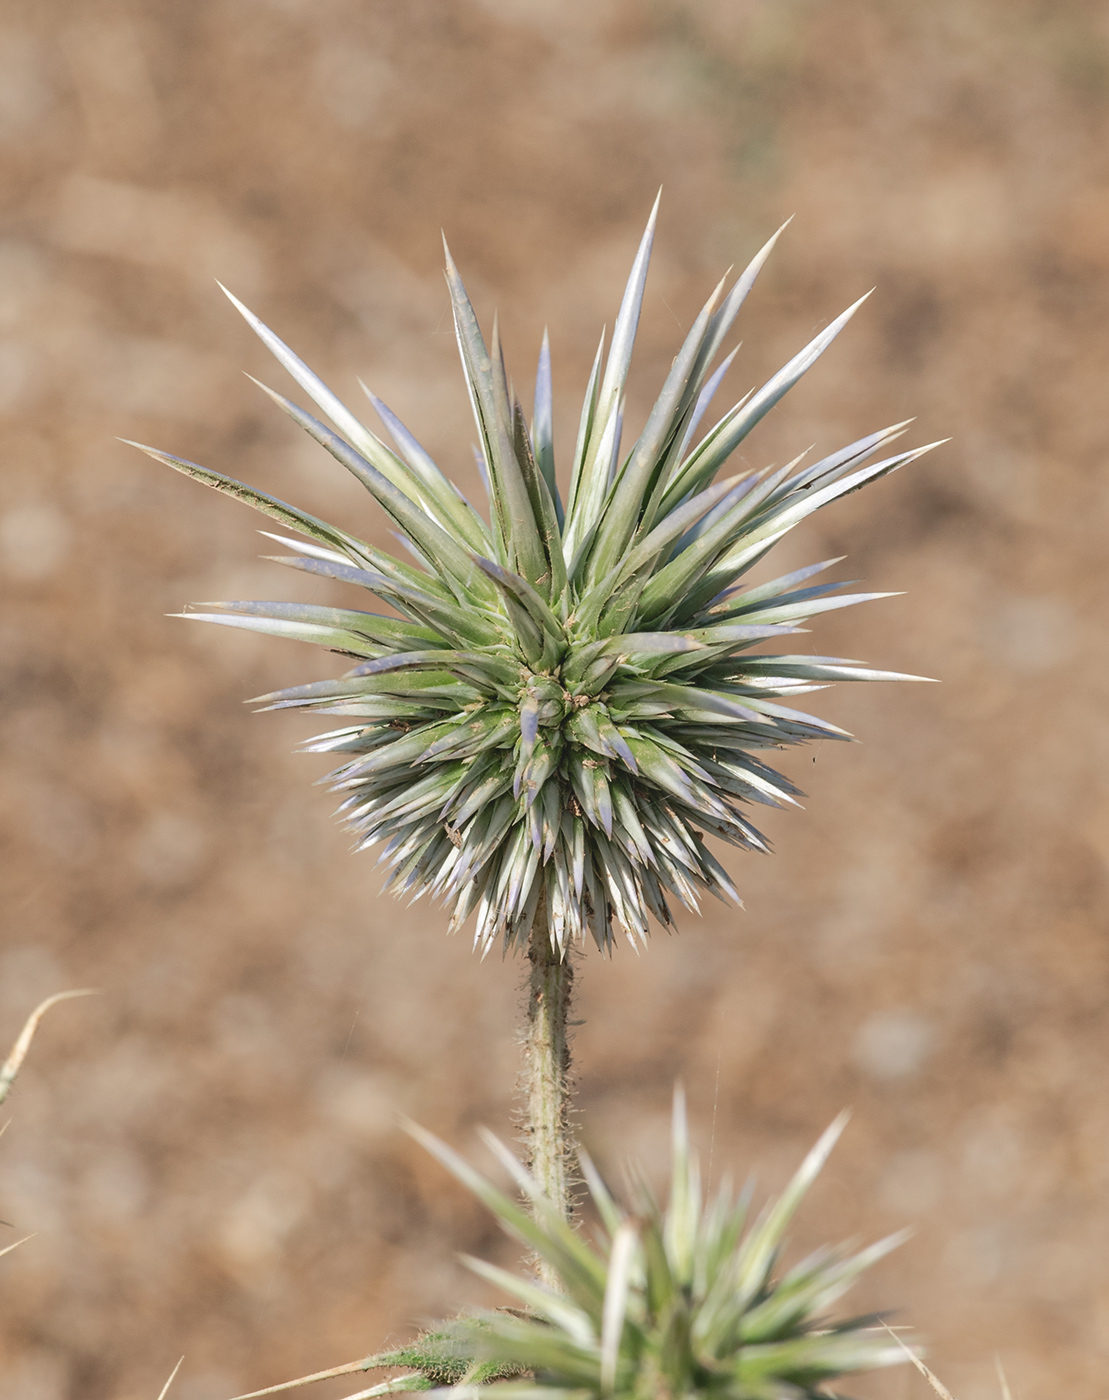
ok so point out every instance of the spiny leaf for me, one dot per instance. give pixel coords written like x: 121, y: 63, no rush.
x: 518, y: 532
x: 444, y: 553
x: 449, y: 500
x: 542, y: 425
x: 592, y: 483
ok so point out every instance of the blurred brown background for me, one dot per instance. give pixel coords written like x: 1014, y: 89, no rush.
x: 208, y: 1152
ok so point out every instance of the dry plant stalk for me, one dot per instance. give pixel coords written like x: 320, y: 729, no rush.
x: 18, y: 1053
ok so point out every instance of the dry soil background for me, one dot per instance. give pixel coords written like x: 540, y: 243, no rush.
x: 208, y: 1152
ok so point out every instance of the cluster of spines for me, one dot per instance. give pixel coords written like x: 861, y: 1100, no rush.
x: 568, y: 699
x: 677, y: 1298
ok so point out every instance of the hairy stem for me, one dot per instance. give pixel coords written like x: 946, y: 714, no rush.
x: 547, y: 1065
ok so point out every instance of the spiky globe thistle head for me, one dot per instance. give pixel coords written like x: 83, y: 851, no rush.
x: 569, y: 697
x: 685, y: 1298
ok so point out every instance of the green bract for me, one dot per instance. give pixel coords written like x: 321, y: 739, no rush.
x: 681, y: 1300
x: 568, y: 698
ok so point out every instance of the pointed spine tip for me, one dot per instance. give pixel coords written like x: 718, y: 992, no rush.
x: 772, y: 240
x: 235, y: 302
x: 373, y: 398
x: 154, y: 452
x: 272, y: 393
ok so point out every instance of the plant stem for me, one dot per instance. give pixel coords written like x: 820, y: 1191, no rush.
x: 547, y: 1066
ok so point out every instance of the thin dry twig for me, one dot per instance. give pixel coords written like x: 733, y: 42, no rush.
x: 347, y: 1370
x: 14, y: 1062
x: 8, y: 1248
x: 172, y: 1374
x: 934, y: 1381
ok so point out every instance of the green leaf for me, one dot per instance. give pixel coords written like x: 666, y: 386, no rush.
x: 581, y: 1271
x: 761, y: 1248
x: 784, y: 517
x: 339, y: 540
x: 487, y: 729
x: 642, y: 559
x: 553, y: 580
x: 517, y: 529
x: 445, y: 619
x: 593, y: 729
x: 573, y: 539
x: 438, y: 492
x: 734, y: 600
x: 518, y: 590
x: 366, y: 443
x: 707, y: 460
x: 542, y: 425
x: 828, y: 469
x: 328, y: 634
x: 633, y: 484
x: 537, y: 1299
x: 808, y: 605
x: 592, y: 483
x: 451, y: 504
x: 724, y: 319
x: 443, y: 552
x: 382, y: 630
x: 420, y: 683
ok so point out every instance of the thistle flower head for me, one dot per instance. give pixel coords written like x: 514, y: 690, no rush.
x: 681, y: 1299
x: 567, y: 698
